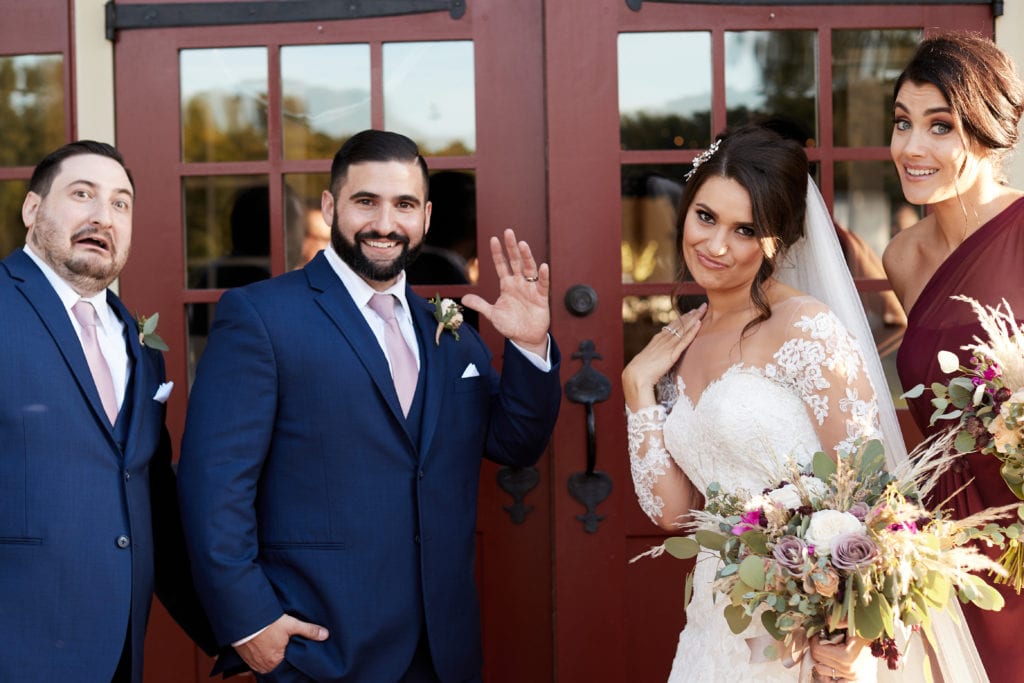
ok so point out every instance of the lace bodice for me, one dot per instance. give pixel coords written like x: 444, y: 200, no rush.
x: 808, y: 393
x: 812, y: 393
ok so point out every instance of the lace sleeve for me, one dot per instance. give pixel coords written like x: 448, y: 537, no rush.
x: 648, y: 459
x: 823, y: 363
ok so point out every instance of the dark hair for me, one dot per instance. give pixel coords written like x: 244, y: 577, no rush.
x: 47, y: 169
x: 978, y: 80
x: 376, y: 145
x: 773, y: 170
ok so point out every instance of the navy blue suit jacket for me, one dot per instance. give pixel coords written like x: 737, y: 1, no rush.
x: 303, y: 491
x: 81, y: 518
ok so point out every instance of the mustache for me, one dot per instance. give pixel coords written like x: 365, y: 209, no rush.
x: 375, y: 235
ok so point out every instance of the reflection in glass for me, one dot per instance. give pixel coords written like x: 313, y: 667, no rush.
x: 642, y: 318
x: 12, y: 229
x: 650, y: 201
x: 429, y: 95
x: 326, y: 97
x: 772, y: 74
x: 227, y: 230
x: 31, y: 108
x: 865, y: 63
x: 307, y: 233
x: 663, y: 106
x: 224, y: 104
x: 198, y: 318
x: 449, y: 250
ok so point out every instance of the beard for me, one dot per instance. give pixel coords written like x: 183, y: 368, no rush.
x: 352, y: 253
x: 89, y: 273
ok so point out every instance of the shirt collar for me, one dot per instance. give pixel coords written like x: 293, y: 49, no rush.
x: 69, y: 297
x: 357, y: 287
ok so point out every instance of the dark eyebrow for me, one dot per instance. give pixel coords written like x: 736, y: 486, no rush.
x: 93, y: 186
x: 366, y: 194
x: 927, y: 112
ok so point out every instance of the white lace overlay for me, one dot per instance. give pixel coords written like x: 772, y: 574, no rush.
x: 812, y: 393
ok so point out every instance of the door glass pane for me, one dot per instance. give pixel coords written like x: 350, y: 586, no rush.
x: 307, y: 232
x: 326, y: 97
x: 224, y: 104
x: 644, y: 316
x: 429, y: 95
x: 772, y: 74
x: 12, y: 229
x: 865, y: 64
x: 650, y: 202
x: 662, y: 106
x: 227, y: 230
x: 198, y: 318
x: 449, y: 249
x: 31, y: 108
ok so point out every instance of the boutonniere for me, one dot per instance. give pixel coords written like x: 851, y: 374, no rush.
x: 448, y: 315
x: 147, y: 332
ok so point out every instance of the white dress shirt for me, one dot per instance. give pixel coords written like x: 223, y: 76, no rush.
x: 109, y: 328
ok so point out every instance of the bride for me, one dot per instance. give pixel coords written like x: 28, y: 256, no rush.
x: 762, y: 371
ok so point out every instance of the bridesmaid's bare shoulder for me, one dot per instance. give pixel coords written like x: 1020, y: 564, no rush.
x: 909, y: 262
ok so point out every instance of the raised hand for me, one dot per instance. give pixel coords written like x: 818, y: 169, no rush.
x: 658, y: 357
x: 521, y: 312
x: 265, y: 651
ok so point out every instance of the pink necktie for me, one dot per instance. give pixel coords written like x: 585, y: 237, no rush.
x: 403, y: 364
x: 86, y: 316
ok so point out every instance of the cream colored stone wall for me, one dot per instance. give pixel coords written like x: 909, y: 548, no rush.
x: 1010, y: 38
x: 94, y: 73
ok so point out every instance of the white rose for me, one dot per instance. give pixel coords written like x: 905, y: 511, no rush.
x: 948, y: 362
x: 787, y: 496
x: 826, y: 525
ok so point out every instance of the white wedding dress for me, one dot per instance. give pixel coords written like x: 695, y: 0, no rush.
x: 794, y: 386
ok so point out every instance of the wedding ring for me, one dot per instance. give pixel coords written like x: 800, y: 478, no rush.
x: 834, y: 674
x: 671, y: 330
x: 531, y: 279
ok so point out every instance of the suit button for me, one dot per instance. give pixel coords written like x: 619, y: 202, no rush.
x: 123, y: 542
x: 416, y: 538
x: 421, y: 475
x: 127, y: 476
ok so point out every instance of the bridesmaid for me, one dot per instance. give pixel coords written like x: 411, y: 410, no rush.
x: 956, y: 110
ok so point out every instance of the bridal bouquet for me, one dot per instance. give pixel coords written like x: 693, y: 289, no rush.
x: 846, y: 545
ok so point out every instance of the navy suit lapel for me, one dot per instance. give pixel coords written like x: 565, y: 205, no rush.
x: 40, y: 295
x: 433, y: 364
x: 335, y: 301
x: 140, y: 378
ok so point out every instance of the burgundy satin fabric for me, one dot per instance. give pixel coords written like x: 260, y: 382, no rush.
x: 989, y: 267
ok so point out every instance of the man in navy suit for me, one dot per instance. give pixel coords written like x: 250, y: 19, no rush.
x: 89, y: 521
x: 329, y: 505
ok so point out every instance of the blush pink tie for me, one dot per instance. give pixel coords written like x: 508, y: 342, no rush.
x: 403, y: 364
x: 85, y: 314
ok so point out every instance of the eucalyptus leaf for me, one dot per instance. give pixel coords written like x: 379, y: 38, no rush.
x: 870, y: 620
x: 823, y: 466
x: 682, y: 547
x: 737, y: 618
x: 154, y: 341
x: 964, y: 442
x: 752, y: 572
x: 149, y: 327
x: 757, y: 541
x: 985, y: 596
x: 768, y: 620
x: 939, y: 389
x: 688, y: 590
x: 872, y: 459
x: 710, y: 539
x: 913, y: 392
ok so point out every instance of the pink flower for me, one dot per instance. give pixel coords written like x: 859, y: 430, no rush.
x: 748, y: 522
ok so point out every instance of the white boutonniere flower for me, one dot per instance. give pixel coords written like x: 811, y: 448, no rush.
x: 448, y: 315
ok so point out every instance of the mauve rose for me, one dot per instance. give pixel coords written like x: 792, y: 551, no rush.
x: 826, y: 525
x: 860, y: 510
x: 791, y: 554
x: 852, y: 550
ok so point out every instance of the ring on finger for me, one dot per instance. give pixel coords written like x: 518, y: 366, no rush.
x: 671, y: 330
x: 531, y: 279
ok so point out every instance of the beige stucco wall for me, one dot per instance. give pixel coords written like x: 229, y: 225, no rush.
x: 1010, y: 38
x: 94, y: 73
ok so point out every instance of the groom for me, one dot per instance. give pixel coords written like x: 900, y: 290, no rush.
x: 332, y: 451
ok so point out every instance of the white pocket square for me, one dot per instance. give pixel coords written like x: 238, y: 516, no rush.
x: 163, y: 392
x: 470, y: 371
